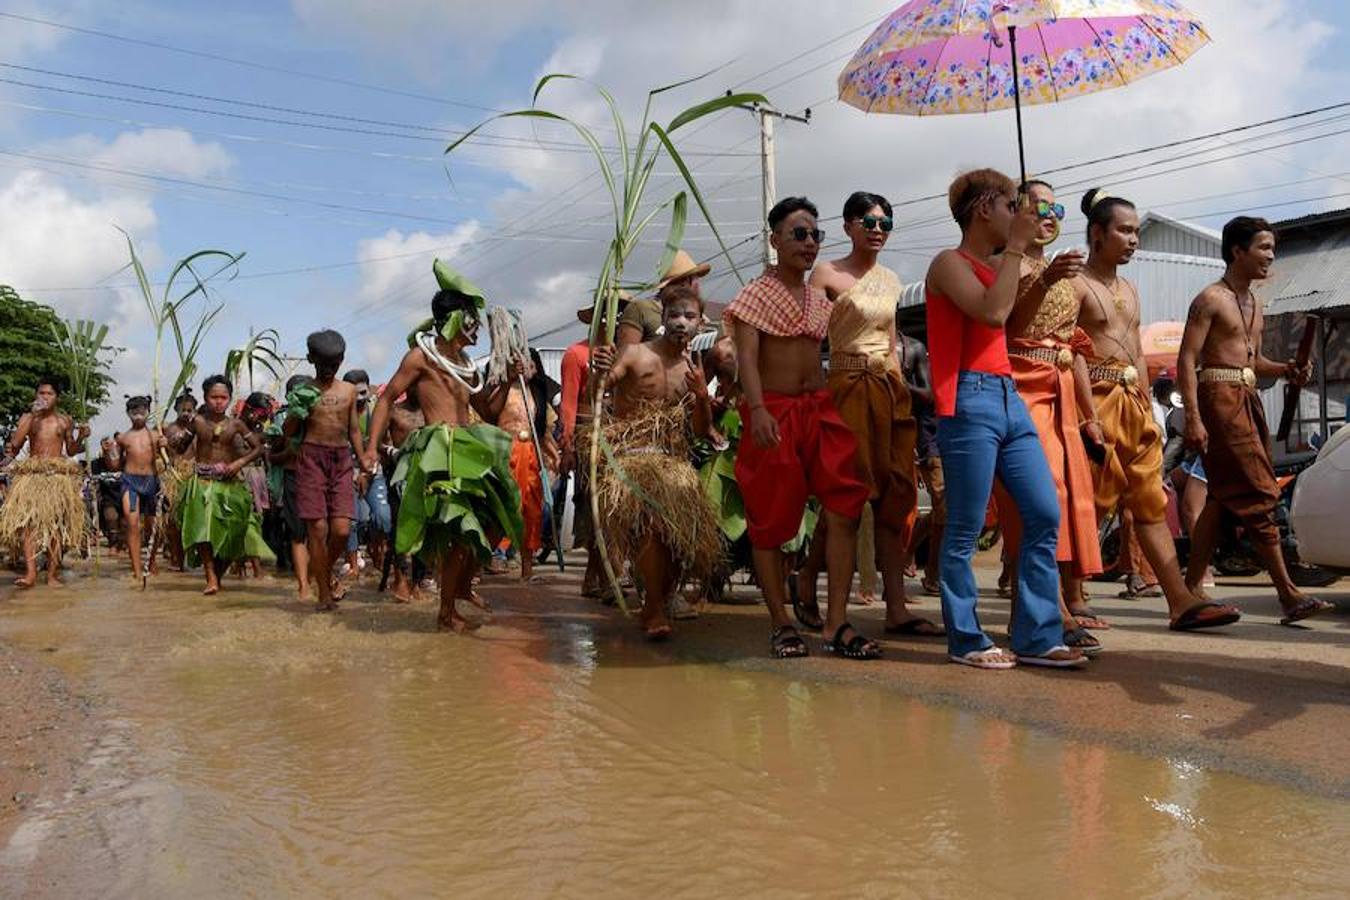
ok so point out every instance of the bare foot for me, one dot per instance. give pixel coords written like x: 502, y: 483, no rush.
x: 658, y: 632
x: 25, y: 581
x: 456, y: 623
x: 211, y: 589
x: 53, y: 581
x: 325, y: 607
x: 476, y: 599
x: 154, y: 569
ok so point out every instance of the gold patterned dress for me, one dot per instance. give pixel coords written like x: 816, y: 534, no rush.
x: 871, y: 395
x: 1042, y: 364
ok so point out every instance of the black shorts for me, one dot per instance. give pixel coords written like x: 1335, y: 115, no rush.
x: 290, y: 507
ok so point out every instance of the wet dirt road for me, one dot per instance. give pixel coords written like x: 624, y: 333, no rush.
x: 247, y: 747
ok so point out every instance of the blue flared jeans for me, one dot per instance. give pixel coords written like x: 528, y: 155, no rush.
x: 992, y: 433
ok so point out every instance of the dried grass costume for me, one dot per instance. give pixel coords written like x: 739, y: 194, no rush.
x: 646, y: 484
x: 45, y: 500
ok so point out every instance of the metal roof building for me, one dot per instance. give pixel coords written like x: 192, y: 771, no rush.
x: 1163, y: 234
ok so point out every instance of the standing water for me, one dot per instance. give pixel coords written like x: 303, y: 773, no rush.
x: 256, y: 749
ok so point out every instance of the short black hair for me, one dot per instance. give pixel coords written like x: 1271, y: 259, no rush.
x: 1240, y: 232
x: 51, y: 381
x: 258, y: 400
x: 185, y: 397
x: 859, y: 203
x: 140, y: 401
x: 787, y: 206
x: 677, y: 292
x: 296, y: 381
x: 1099, y: 207
x: 326, y: 345
x: 214, y: 380
x: 447, y: 302
x: 356, y: 376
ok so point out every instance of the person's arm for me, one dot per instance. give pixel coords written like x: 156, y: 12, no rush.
x: 112, y: 456
x: 573, y: 377
x: 19, y: 437
x: 630, y: 330
x: 404, y: 378
x: 1198, y: 322
x: 763, y: 426
x: 255, y: 449
x: 1089, y: 424
x: 1269, y: 368
x: 698, y: 388
x: 75, y: 436
x: 921, y: 383
x: 951, y: 276
x: 354, y: 433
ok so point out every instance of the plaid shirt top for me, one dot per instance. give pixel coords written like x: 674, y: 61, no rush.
x: 767, y: 304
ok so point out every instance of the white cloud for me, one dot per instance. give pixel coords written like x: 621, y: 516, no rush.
x: 395, y: 265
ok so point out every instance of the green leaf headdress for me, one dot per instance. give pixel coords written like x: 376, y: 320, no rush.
x: 450, y: 280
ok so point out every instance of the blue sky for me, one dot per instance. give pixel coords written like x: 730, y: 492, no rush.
x: 371, y: 269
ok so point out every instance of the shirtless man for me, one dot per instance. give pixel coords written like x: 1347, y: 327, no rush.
x: 1131, y: 471
x: 797, y: 445
x: 405, y: 417
x: 1217, y: 369
x: 50, y: 435
x: 133, y: 454
x: 216, y: 513
x: 660, y: 373
x: 448, y: 385
x: 522, y: 419
x: 326, y: 411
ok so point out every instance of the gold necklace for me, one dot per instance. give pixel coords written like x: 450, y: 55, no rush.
x: 1117, y: 299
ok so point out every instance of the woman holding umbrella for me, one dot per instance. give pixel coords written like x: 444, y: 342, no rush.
x: 984, y: 427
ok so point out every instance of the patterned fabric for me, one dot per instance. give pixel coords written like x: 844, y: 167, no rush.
x: 1057, y: 316
x: 935, y: 57
x: 768, y: 305
x: 862, y: 316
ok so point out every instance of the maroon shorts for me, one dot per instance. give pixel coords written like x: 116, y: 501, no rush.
x: 323, y: 480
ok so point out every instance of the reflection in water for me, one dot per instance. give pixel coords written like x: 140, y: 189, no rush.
x: 270, y: 752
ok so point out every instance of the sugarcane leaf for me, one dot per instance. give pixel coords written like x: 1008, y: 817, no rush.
x: 698, y: 196
x: 708, y: 107
x: 679, y: 215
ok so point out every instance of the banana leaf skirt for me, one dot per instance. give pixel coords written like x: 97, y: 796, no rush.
x: 221, y: 514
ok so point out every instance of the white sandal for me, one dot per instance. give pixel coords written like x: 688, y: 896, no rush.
x: 1049, y: 659
x: 988, y: 658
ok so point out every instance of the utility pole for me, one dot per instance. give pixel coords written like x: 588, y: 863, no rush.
x: 768, y: 188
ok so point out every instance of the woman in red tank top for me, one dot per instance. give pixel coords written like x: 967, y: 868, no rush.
x: 984, y: 427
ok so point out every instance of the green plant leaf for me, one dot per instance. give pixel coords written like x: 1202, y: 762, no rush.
x: 698, y: 197
x: 708, y: 107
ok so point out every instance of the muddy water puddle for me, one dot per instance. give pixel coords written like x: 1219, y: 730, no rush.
x: 258, y: 750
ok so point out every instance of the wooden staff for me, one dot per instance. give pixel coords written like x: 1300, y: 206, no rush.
x: 1292, y: 391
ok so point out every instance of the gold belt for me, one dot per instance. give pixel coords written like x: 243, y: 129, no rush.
x: 1126, y: 375
x: 1244, y: 375
x: 1062, y: 358
x: 876, y: 363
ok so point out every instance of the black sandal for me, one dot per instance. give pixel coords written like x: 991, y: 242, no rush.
x: 786, y: 643
x: 805, y: 616
x: 1081, y: 639
x: 858, y: 647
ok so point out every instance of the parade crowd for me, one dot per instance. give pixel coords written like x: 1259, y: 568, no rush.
x: 790, y: 437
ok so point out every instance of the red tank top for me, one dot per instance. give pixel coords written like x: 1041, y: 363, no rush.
x: 957, y: 343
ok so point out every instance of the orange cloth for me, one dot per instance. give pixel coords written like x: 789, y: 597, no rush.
x: 875, y: 404
x: 1048, y: 393
x: 525, y: 469
x: 1132, y: 470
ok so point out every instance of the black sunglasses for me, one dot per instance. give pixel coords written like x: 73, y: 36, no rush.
x: 869, y: 223
x: 801, y: 233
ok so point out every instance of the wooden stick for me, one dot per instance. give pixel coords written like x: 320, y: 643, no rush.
x: 1292, y: 391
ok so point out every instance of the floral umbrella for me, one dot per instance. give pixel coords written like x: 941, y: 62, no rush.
x: 942, y: 57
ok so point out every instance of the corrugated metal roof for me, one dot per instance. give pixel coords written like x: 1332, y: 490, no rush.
x: 1163, y: 234
x: 1312, y: 269
x: 1312, y: 219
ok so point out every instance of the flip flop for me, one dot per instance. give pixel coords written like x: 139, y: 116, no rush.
x: 988, y: 658
x: 1306, y: 609
x: 1088, y: 619
x: 916, y: 627
x: 1057, y: 657
x: 1081, y: 639
x: 1197, y: 618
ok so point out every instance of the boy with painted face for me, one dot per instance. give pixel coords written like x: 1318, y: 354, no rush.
x: 177, y: 437
x: 453, y: 522
x: 215, y: 512
x: 133, y: 454
x: 651, y: 500
x: 44, y: 505
x: 326, y: 412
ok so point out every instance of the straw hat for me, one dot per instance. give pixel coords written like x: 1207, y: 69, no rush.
x: 683, y: 266
x: 586, y: 313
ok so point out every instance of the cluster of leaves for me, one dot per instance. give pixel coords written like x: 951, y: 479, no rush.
x: 259, y: 352
x: 30, y: 354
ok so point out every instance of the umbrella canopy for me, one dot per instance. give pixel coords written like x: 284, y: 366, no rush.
x: 940, y: 57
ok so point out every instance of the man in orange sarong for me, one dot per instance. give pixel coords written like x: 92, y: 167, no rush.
x: 1043, y: 345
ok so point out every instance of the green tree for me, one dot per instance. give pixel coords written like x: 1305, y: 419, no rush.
x: 28, y: 352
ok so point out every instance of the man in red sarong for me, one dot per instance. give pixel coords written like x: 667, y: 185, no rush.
x: 797, y: 446
x: 1217, y: 368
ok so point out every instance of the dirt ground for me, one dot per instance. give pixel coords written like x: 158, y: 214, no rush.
x: 1257, y: 699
